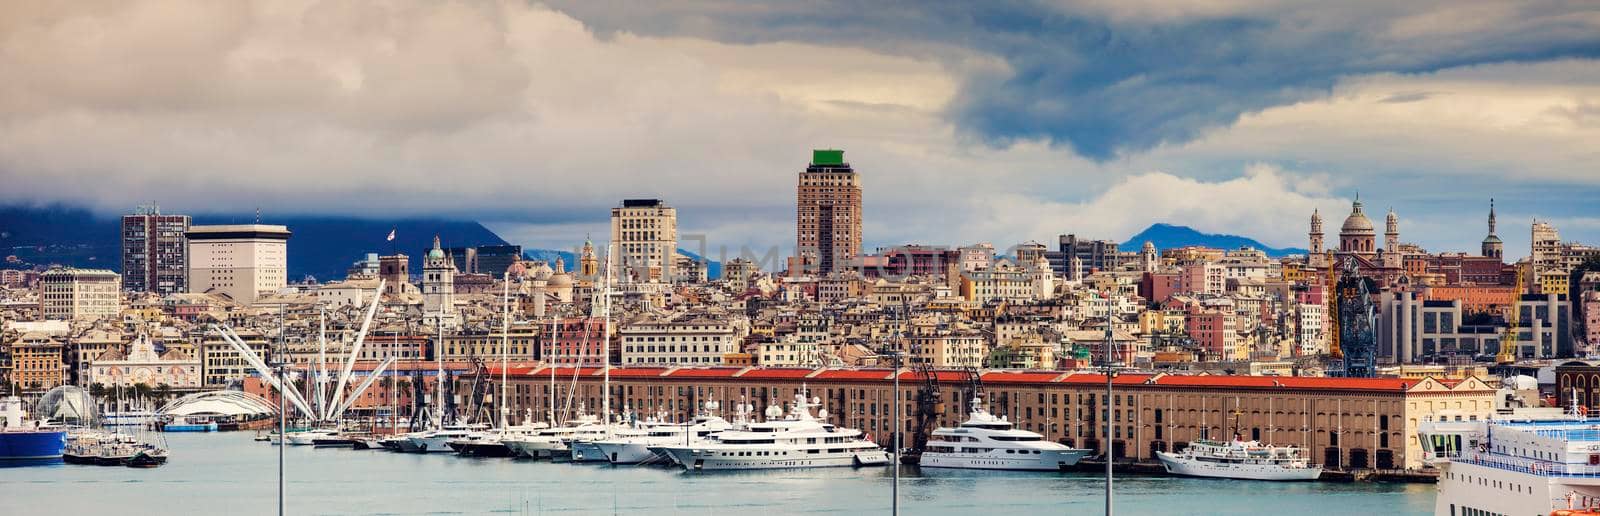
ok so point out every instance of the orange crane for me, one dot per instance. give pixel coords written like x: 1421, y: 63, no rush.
x: 1508, y: 353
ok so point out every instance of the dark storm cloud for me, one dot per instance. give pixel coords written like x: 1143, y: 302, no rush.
x: 1110, y: 78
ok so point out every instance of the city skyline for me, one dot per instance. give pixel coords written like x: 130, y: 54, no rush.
x: 1018, y: 125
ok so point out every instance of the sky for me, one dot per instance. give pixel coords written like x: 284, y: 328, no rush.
x: 968, y: 122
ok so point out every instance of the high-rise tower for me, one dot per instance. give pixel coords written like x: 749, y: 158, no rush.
x: 155, y: 252
x: 828, y: 213
x: 644, y: 233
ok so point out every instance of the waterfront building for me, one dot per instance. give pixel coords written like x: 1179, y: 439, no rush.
x: 222, y: 366
x: 240, y: 261
x: 827, y: 214
x: 644, y: 234
x: 367, y: 267
x: 140, y: 365
x: 155, y: 252
x: 36, y: 362
x: 79, y: 295
x: 686, y: 339
x: 1341, y: 422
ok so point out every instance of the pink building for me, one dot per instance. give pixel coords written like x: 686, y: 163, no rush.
x: 1216, y: 332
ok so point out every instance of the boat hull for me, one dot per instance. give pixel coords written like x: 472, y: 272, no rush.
x: 1193, y: 468
x: 205, y: 427
x: 694, y: 459
x: 32, y: 445
x: 1045, y: 460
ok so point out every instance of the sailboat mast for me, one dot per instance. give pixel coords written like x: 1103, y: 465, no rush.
x: 505, y: 354
x: 549, y: 363
x: 438, y: 363
x: 322, y: 361
x: 605, y: 343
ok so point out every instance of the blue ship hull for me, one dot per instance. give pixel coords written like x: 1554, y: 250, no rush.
x: 32, y: 445
x: 210, y: 427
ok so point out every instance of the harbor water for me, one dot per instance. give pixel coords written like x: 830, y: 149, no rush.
x: 230, y: 473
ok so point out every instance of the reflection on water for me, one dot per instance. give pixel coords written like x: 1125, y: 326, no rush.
x: 230, y: 473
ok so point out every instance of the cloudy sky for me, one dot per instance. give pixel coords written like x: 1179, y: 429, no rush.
x: 968, y: 121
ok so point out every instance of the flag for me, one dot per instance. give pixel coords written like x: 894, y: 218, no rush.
x: 391, y: 236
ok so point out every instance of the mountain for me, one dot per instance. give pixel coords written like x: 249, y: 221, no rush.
x: 713, y: 268
x: 1167, y: 236
x: 322, y: 246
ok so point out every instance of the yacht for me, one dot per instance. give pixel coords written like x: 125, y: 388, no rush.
x: 1521, y: 462
x: 307, y: 437
x: 1248, y: 460
x: 436, y: 441
x: 491, y: 443
x: 639, y: 447
x: 797, y: 440
x: 552, y: 443
x: 985, y: 441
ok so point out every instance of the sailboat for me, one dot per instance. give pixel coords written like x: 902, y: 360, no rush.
x: 490, y: 443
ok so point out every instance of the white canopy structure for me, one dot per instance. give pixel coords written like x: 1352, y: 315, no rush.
x: 220, y: 403
x: 324, y: 406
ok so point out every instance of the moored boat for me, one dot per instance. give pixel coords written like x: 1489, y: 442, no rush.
x: 1245, y: 460
x: 21, y: 439
x: 799, y: 440
x: 986, y: 441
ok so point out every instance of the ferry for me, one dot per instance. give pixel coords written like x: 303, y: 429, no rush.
x: 798, y: 440
x: 1527, y: 461
x: 1247, y: 460
x: 25, y: 440
x: 985, y: 441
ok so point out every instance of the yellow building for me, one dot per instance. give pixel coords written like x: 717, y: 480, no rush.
x: 36, y: 362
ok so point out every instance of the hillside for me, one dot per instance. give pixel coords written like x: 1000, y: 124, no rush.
x: 1167, y: 236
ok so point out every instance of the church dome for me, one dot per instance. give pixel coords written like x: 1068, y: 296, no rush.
x: 436, y: 254
x: 1357, y: 222
x: 560, y: 279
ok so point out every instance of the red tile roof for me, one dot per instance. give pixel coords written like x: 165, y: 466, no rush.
x: 636, y: 372
x: 1020, y: 377
x: 711, y: 372
x: 853, y: 374
x: 776, y: 374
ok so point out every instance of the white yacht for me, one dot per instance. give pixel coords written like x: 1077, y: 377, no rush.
x: 307, y: 437
x: 436, y: 441
x: 491, y: 442
x: 798, y: 440
x: 985, y: 441
x: 1528, y: 461
x: 1248, y: 460
x: 638, y: 447
x: 552, y: 442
